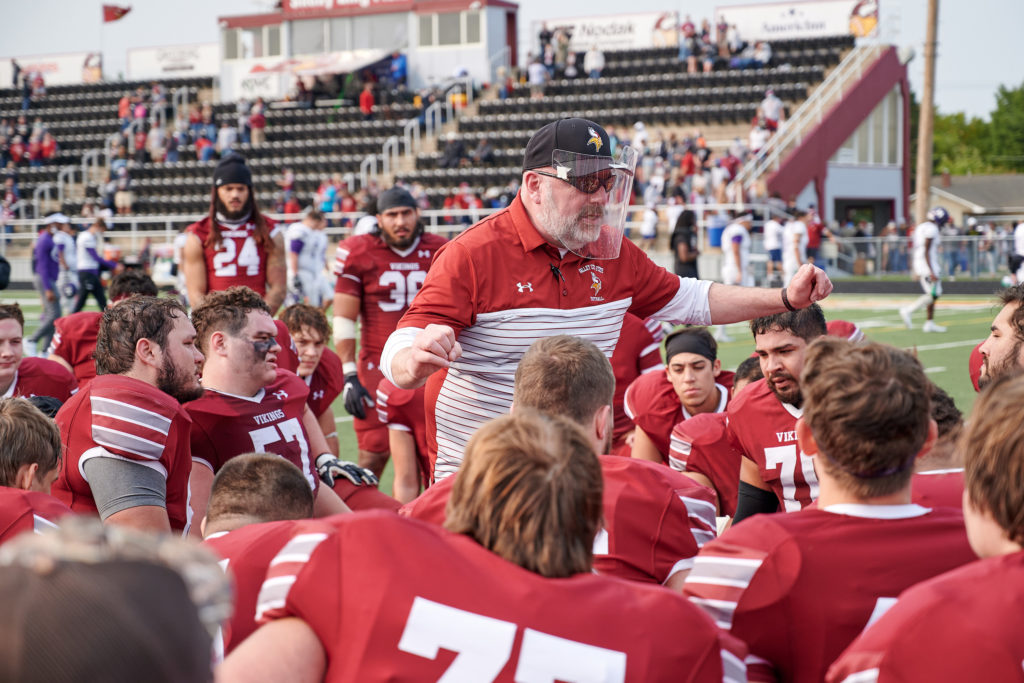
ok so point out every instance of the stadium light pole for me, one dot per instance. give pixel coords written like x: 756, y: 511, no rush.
x: 926, y: 118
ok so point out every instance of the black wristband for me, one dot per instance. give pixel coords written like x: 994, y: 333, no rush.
x: 785, y: 300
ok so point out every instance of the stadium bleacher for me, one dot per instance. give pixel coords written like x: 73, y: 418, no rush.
x: 319, y: 141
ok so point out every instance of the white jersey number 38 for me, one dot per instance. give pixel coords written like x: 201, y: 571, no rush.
x: 403, y: 288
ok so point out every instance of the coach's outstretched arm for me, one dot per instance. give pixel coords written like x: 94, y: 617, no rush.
x: 433, y: 348
x: 731, y: 304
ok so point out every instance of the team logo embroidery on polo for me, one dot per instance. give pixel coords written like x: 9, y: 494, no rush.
x: 595, y: 283
x: 595, y: 139
x: 280, y: 394
x: 528, y: 287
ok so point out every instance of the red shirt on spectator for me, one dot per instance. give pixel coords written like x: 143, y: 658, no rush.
x: 35, y: 150
x: 49, y: 147
x: 366, y: 102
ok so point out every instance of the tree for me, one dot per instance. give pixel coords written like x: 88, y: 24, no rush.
x: 1006, y: 131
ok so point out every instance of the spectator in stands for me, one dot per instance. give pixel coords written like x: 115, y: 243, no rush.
x: 326, y: 195
x: 454, y: 151
x: 258, y: 123
x: 484, y: 152
x: 15, y: 72
x: 399, y: 69
x: 571, y: 70
x: 560, y: 42
x: 227, y: 138
x: 286, y: 183
x: 538, y: 76
x: 243, y: 109
x: 544, y: 36
x: 593, y: 62
x: 141, y: 155
x: 759, y: 134
x: 34, y: 152
x: 156, y: 143
x: 49, y: 147
x: 754, y: 56
x: 205, y: 149
x: 124, y: 198
x: 366, y: 101
x: 17, y: 151
x: 26, y: 92
x: 195, y: 120
x: 773, y: 110
x: 687, y: 37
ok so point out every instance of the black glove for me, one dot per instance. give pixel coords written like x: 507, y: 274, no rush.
x: 297, y: 284
x: 357, y: 399
x: 330, y: 468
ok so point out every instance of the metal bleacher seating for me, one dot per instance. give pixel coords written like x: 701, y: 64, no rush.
x: 658, y: 92
x: 637, y: 85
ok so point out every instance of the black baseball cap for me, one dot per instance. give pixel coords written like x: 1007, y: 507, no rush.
x: 232, y: 169
x: 580, y: 136
x: 395, y: 197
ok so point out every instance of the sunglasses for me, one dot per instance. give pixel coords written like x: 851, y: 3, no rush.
x: 588, y: 184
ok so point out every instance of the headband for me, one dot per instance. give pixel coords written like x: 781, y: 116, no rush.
x: 683, y: 342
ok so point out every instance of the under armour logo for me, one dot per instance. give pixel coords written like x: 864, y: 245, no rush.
x: 318, y: 394
x: 528, y: 287
x: 423, y: 253
x: 280, y: 394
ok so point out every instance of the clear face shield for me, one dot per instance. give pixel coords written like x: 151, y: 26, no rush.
x: 594, y: 230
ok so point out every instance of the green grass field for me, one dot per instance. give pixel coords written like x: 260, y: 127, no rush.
x: 944, y: 356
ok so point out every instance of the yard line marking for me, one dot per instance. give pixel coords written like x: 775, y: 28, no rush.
x: 948, y: 345
x: 343, y: 418
x: 937, y: 368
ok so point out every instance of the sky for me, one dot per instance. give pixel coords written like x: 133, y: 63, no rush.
x: 972, y: 33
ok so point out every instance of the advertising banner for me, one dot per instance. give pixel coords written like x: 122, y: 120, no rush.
x: 174, y: 61
x: 616, y: 31
x: 802, y: 19
x: 62, y: 69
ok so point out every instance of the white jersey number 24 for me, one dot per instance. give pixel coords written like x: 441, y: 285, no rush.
x: 229, y: 259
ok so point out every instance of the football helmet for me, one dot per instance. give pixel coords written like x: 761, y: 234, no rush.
x: 939, y: 216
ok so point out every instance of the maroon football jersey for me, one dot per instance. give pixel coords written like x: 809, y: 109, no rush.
x: 638, y: 352
x: 938, y: 488
x: 380, y: 616
x: 325, y: 383
x: 430, y: 505
x: 962, y: 626
x: 385, y: 280
x: 288, y: 359
x: 246, y: 554
x: 238, y: 259
x: 224, y: 425
x: 121, y: 417
x: 701, y: 445
x: 42, y: 377
x: 763, y: 429
x: 403, y: 409
x: 22, y: 510
x: 798, y: 588
x: 655, y: 519
x: 653, y: 405
x: 74, y: 340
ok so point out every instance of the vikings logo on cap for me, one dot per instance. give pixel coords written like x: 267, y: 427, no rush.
x: 594, y: 139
